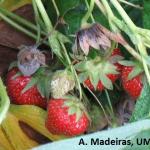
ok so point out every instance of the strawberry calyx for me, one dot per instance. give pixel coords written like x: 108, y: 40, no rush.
x: 41, y: 79
x: 74, y: 106
x: 96, y: 70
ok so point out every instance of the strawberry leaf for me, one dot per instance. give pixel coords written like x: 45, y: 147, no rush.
x: 33, y: 82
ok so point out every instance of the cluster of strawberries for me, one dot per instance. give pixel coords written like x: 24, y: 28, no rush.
x: 66, y: 116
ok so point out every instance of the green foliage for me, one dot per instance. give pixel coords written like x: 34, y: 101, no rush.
x: 142, y: 108
x: 146, y: 14
x: 142, y: 135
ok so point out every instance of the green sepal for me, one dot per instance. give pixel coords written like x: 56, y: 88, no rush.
x: 94, y: 78
x: 106, y: 81
x: 47, y: 87
x: 76, y: 57
x: 12, y: 65
x: 41, y: 87
x: 83, y: 76
x: 82, y: 66
x: 136, y: 71
x: 18, y: 74
x: 78, y: 114
x: 127, y: 63
x: 33, y: 82
x: 137, y: 68
x: 108, y: 68
x: 115, y: 59
x: 72, y: 110
x: 74, y: 105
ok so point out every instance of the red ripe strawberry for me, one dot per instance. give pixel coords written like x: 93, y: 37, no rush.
x: 134, y: 86
x: 100, y: 86
x: 112, y: 77
x: 15, y: 86
x: 66, y: 117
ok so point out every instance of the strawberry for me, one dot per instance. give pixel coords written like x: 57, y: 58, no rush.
x: 66, y: 117
x: 132, y: 86
x: 15, y: 86
x: 112, y: 77
x: 100, y: 86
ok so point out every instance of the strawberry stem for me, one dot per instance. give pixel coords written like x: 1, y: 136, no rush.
x: 87, y: 5
x: 4, y: 101
x: 109, y: 122
x: 73, y: 70
x: 109, y: 102
x: 88, y: 14
x: 56, y: 8
x: 37, y: 18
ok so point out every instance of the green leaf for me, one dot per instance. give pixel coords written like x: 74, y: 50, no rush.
x: 106, y: 81
x: 142, y: 107
x: 146, y: 14
x: 31, y: 83
x: 145, y: 134
x: 14, y: 4
x: 64, y: 6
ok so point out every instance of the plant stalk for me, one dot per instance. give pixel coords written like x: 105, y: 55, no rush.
x: 88, y: 14
x: 4, y: 101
